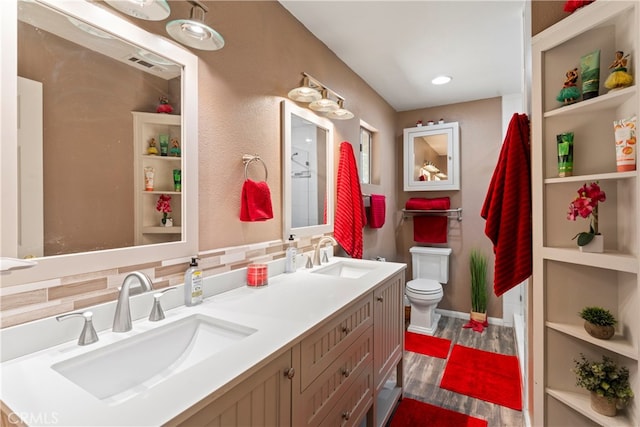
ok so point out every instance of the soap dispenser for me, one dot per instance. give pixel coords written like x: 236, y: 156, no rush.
x: 290, y: 259
x: 193, y: 293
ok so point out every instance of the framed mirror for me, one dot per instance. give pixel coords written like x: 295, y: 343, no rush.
x: 89, y: 69
x: 307, y: 167
x: 432, y: 158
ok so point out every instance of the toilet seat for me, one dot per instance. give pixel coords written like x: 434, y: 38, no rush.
x: 424, y: 286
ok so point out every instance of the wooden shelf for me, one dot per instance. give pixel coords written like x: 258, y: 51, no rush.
x: 602, y: 102
x: 610, y: 260
x: 592, y: 177
x: 581, y: 403
x: 617, y: 344
x: 162, y: 230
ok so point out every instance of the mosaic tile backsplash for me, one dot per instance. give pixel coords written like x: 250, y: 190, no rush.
x: 37, y: 300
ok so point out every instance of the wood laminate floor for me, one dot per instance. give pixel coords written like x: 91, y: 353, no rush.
x: 422, y: 374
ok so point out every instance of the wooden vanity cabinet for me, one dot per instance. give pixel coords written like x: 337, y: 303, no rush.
x: 263, y: 399
x: 335, y: 376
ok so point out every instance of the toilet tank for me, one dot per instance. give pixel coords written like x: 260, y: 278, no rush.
x: 430, y: 263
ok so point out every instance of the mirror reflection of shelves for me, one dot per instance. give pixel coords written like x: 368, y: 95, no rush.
x: 148, y: 220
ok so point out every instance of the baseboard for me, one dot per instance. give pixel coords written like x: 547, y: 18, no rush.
x: 461, y: 315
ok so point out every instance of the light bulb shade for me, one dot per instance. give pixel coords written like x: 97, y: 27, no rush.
x: 150, y: 10
x: 429, y: 167
x: 324, y: 105
x: 193, y: 32
x: 304, y: 94
x: 340, y: 114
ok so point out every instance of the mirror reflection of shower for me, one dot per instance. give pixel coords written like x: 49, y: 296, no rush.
x: 304, y: 176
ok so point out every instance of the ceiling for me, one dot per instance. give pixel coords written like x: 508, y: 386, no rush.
x: 397, y: 47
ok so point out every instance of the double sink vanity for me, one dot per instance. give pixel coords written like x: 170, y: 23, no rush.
x: 320, y: 346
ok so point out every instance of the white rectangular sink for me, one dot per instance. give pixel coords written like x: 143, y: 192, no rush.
x: 351, y: 270
x: 126, y: 368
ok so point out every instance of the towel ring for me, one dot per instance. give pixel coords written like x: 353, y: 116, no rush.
x: 248, y: 158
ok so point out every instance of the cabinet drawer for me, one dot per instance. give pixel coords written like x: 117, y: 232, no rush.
x: 333, y: 383
x: 323, y: 346
x: 354, y: 404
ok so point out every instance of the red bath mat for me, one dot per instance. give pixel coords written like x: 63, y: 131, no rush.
x: 427, y: 345
x: 484, y: 375
x: 412, y: 413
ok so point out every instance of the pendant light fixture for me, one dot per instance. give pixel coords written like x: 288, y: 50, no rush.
x: 193, y: 32
x: 150, y: 10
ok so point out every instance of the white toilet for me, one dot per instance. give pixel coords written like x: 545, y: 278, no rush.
x: 424, y: 292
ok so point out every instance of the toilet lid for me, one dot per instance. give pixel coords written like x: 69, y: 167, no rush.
x: 424, y: 286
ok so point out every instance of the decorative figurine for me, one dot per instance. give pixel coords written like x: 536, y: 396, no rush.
x: 152, y: 150
x: 569, y: 92
x: 619, y: 77
x: 164, y: 106
x: 175, y: 148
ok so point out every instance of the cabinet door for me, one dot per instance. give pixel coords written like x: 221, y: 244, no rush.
x: 388, y: 332
x: 264, y: 399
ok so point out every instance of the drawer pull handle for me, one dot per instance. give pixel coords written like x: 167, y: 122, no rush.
x: 290, y: 373
x: 380, y: 299
x: 346, y: 415
x: 346, y: 330
x: 346, y: 372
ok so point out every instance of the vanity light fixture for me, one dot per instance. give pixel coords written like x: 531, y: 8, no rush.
x: 150, y: 10
x: 441, y: 80
x: 193, y: 32
x: 320, y: 98
x: 430, y: 167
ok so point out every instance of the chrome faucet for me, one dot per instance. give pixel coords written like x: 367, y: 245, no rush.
x: 316, y: 251
x: 122, y: 318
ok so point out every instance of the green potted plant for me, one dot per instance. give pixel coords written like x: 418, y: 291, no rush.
x: 598, y: 322
x: 607, y: 382
x: 479, y: 294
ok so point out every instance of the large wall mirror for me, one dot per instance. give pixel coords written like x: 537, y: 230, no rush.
x: 431, y: 158
x: 307, y: 167
x: 68, y: 167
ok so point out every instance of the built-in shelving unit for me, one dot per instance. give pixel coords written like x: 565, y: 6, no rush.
x: 565, y: 279
x: 148, y: 227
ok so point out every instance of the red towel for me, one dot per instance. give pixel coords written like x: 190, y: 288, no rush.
x: 350, y: 214
x: 256, y: 201
x: 429, y: 228
x: 377, y: 211
x: 507, y: 208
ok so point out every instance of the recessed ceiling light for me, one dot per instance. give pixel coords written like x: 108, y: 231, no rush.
x: 441, y: 80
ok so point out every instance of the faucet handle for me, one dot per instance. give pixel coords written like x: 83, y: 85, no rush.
x: 88, y: 334
x: 325, y: 258
x: 156, y: 311
x: 309, y: 262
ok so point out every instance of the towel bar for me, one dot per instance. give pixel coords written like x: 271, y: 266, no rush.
x: 248, y: 158
x: 457, y: 213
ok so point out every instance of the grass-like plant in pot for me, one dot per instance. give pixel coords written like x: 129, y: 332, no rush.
x: 598, y: 322
x: 608, y: 383
x: 479, y: 294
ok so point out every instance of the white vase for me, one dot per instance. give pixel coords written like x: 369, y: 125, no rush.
x: 596, y: 245
x: 169, y: 222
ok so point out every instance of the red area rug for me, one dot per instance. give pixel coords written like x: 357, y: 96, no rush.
x: 427, y: 345
x: 412, y: 413
x: 484, y: 375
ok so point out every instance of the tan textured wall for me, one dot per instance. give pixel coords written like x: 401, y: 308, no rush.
x: 480, y: 142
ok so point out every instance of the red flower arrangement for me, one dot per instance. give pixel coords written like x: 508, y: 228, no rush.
x: 164, y: 206
x: 585, y: 205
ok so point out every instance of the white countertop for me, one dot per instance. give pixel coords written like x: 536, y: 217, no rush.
x: 283, y: 312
